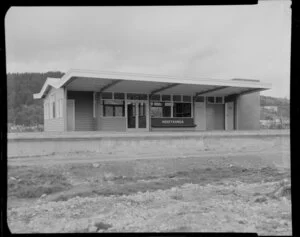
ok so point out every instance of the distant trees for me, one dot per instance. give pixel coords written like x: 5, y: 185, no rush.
x: 22, y: 108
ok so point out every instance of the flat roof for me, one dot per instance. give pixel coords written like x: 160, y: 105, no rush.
x: 100, y: 81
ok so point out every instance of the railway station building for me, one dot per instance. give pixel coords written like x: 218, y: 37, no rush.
x: 86, y: 100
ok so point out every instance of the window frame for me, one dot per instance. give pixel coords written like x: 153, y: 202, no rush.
x: 113, y: 108
x: 191, y: 109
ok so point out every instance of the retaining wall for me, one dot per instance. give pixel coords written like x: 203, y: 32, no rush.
x: 41, y: 144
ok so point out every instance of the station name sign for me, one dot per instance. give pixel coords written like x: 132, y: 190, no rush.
x: 172, y: 122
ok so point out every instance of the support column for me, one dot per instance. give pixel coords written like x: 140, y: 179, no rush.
x: 65, y: 109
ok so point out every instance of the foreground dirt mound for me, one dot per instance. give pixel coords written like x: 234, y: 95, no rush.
x: 191, y: 207
x: 283, y: 189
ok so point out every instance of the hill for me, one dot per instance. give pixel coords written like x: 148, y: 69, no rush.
x: 22, y: 108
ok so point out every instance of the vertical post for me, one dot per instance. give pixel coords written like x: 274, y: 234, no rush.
x: 148, y: 113
x: 65, y: 113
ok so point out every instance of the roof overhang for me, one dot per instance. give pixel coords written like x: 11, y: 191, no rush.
x: 88, y: 80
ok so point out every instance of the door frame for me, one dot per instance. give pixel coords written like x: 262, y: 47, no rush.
x: 73, y: 103
x: 137, y: 129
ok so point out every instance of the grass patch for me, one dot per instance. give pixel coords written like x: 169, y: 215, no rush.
x: 25, y: 182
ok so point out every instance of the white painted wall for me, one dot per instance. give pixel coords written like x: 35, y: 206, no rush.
x: 200, y: 115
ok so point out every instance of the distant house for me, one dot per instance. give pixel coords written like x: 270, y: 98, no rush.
x: 271, y: 108
x: 85, y: 100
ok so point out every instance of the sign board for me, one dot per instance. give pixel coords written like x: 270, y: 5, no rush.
x: 172, y: 122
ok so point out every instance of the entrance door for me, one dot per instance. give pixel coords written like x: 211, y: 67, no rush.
x: 70, y: 115
x: 137, y: 115
x: 215, y: 117
x: 229, y: 115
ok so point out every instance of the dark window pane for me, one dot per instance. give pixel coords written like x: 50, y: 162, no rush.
x: 167, y: 111
x: 156, y: 112
x: 182, y: 110
x: 219, y: 100
x: 108, y: 110
x: 143, y: 97
x: 155, y: 97
x: 166, y: 98
x: 119, y: 96
x: 106, y: 95
x: 210, y: 99
x: 53, y: 106
x: 186, y: 98
x: 176, y: 97
x: 200, y: 99
x: 119, y: 111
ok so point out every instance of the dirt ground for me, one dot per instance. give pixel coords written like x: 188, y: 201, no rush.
x: 246, y: 190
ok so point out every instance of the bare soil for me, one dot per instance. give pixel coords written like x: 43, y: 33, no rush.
x: 241, y: 192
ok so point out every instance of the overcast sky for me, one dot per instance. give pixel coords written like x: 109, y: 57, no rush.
x: 221, y: 42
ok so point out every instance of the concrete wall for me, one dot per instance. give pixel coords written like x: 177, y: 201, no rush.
x: 57, y: 123
x: 21, y: 145
x: 248, y: 111
x: 84, y: 120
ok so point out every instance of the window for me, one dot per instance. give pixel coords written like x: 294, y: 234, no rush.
x: 155, y: 97
x: 113, y: 108
x: 186, y: 98
x: 219, y: 100
x: 210, y: 99
x: 53, y: 111
x: 94, y: 104
x: 177, y: 98
x: 119, y: 96
x: 166, y: 98
x: 52, y: 107
x: 160, y: 109
x: 182, y: 110
x: 135, y: 96
x: 199, y: 99
x: 106, y: 95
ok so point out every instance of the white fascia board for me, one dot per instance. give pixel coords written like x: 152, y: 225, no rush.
x: 54, y: 82
x: 158, y: 78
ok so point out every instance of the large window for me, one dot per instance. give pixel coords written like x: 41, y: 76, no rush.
x: 160, y: 109
x: 113, y: 108
x: 182, y: 110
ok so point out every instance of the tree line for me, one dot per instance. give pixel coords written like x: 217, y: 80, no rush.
x: 22, y: 109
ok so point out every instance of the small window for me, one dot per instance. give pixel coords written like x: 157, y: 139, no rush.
x: 166, y: 98
x: 210, y: 99
x: 94, y: 104
x: 113, y: 108
x: 177, y: 98
x: 199, y: 99
x: 143, y: 97
x: 182, y: 110
x: 119, y: 96
x: 53, y: 109
x: 155, y: 97
x: 186, y: 98
x: 107, y: 95
x: 219, y: 100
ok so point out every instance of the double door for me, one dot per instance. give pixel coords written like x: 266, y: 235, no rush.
x: 137, y: 115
